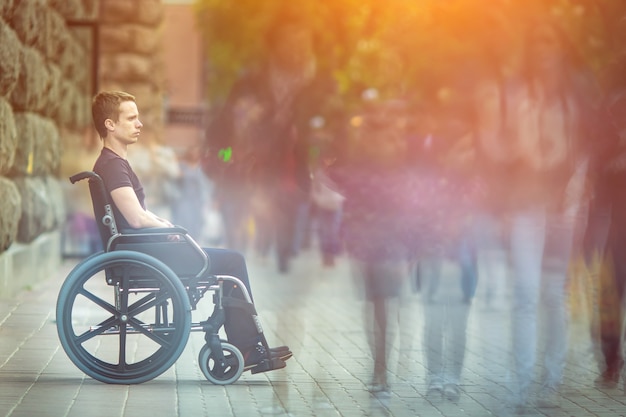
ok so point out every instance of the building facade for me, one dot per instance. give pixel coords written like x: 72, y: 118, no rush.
x: 54, y: 55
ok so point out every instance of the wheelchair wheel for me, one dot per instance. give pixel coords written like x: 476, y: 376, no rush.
x: 123, y: 317
x: 217, y: 373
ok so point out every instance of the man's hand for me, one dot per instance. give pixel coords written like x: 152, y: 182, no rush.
x: 171, y: 238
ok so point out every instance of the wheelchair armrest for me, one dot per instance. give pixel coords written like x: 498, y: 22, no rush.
x: 176, y: 230
x: 185, y: 257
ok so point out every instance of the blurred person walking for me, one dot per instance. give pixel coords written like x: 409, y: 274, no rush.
x: 605, y: 239
x: 256, y: 153
x: 393, y: 214
x: 448, y: 270
x: 373, y: 176
x: 533, y: 137
x: 193, y: 199
x: 327, y: 214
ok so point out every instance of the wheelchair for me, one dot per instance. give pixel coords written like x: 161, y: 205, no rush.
x: 123, y: 314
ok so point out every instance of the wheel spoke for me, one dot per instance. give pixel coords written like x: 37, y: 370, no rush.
x: 123, y: 311
x: 148, y: 302
x: 97, y: 300
x: 97, y: 330
x: 138, y: 325
x: 122, y: 353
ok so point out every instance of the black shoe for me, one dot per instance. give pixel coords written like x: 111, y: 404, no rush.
x: 281, y: 352
x: 279, y: 349
x: 259, y: 357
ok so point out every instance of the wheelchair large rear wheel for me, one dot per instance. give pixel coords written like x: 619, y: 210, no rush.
x: 218, y: 372
x: 123, y: 317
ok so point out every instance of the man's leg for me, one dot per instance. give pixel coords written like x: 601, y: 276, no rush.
x: 527, y: 247
x: 235, y: 211
x: 558, y: 251
x: 466, y: 255
x: 286, y: 210
x: 241, y: 322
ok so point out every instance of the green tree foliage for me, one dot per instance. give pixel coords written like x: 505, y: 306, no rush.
x: 409, y: 48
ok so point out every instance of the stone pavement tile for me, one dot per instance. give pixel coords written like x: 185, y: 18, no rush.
x: 97, y: 399
x: 28, y: 362
x: 61, y: 368
x: 7, y: 305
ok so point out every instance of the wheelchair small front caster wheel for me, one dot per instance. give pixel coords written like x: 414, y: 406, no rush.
x: 221, y: 372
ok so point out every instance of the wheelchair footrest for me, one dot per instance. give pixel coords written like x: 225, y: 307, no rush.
x: 268, y: 365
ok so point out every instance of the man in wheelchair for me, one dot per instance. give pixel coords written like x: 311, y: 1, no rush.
x: 116, y: 118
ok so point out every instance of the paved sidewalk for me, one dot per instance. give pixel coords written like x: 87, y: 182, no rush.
x: 318, y: 313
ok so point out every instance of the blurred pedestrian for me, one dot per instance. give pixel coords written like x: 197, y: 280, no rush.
x: 533, y: 137
x: 607, y: 226
x: 448, y: 271
x: 193, y: 198
x: 373, y: 176
x: 257, y: 153
x: 328, y: 211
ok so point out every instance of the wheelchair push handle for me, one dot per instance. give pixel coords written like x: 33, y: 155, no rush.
x: 94, y: 180
x: 82, y: 176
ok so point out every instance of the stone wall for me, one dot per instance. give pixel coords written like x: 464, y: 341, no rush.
x: 45, y: 116
x: 43, y: 102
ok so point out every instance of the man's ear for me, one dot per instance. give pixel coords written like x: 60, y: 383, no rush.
x: 109, y: 124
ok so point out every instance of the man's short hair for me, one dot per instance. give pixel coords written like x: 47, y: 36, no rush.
x: 106, y: 105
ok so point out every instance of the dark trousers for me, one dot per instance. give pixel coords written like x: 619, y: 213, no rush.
x: 328, y: 224
x: 240, y: 326
x: 605, y: 235
x: 277, y: 224
x: 286, y: 221
x: 234, y: 203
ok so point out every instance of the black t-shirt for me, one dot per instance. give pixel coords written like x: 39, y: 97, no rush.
x: 116, y: 172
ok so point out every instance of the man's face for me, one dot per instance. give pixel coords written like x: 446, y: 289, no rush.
x: 127, y: 127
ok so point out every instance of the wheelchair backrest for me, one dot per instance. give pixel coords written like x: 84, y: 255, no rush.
x: 102, y: 208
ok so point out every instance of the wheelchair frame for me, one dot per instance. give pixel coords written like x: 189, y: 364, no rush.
x: 124, y: 313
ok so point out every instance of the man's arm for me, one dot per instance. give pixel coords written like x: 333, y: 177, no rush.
x: 126, y: 201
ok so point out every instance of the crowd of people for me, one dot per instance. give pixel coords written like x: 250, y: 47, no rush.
x: 532, y: 162
x: 534, y: 155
